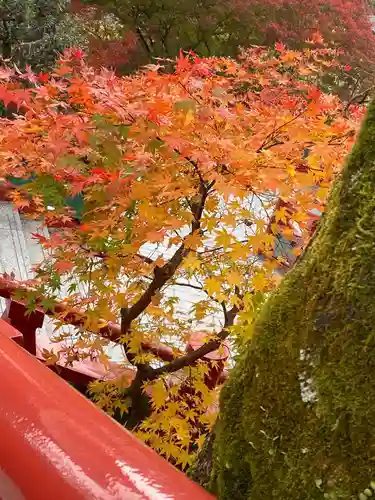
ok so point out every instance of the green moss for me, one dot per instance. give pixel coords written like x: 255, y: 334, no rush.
x: 275, y: 440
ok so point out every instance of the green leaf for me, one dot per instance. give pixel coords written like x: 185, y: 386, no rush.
x: 186, y: 105
x: 123, y: 131
x: 154, y: 145
x: 48, y: 304
x: 111, y: 151
x: 51, y: 190
x: 72, y: 288
x: 102, y: 123
x: 77, y: 204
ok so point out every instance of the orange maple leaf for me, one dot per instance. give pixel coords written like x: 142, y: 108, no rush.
x: 63, y: 266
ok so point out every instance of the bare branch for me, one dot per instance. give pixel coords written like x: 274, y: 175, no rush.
x: 188, y: 285
x: 359, y: 98
x: 143, y: 40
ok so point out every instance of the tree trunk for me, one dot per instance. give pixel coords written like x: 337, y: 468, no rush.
x: 297, y: 418
x: 202, y: 468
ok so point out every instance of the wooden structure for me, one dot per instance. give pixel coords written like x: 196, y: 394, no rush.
x: 56, y: 445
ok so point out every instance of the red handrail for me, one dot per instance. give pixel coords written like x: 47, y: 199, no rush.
x: 55, y: 444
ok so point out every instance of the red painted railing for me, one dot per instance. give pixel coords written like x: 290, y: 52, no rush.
x: 55, y: 444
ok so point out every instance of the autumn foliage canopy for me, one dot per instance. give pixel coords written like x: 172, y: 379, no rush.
x: 187, y: 180
x: 140, y: 30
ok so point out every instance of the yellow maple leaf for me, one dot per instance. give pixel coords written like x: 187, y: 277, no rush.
x: 140, y: 191
x: 156, y: 311
x: 288, y: 233
x: 134, y: 343
x: 239, y: 251
x: 290, y: 170
x: 184, y: 458
x: 193, y: 240
x: 171, y: 410
x: 190, y: 414
x: 322, y: 192
x: 229, y: 219
x: 191, y: 262
x: 210, y: 223
x: 200, y: 309
x: 234, y: 278
x: 158, y: 394
x: 200, y: 441
x: 281, y: 215
x: 169, y: 449
x: 260, y: 282
x: 189, y: 117
x: 257, y: 242
x: 223, y: 239
x: 212, y: 285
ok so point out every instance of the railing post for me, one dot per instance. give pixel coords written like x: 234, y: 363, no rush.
x: 26, y: 323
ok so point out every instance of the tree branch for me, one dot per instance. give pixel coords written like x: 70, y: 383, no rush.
x: 191, y: 357
x: 188, y: 285
x: 143, y: 41
x: 105, y: 255
x: 273, y: 134
x: 164, y: 273
x: 76, y: 317
x: 359, y: 98
x: 7, y: 46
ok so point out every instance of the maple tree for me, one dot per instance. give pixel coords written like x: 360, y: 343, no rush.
x: 209, y: 28
x: 191, y: 180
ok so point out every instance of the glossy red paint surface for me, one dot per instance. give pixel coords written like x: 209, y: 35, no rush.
x: 25, y: 324
x: 55, y: 445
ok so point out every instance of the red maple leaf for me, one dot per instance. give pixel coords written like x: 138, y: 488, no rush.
x: 183, y: 63
x: 77, y: 53
x: 280, y: 47
x: 314, y: 94
x: 43, y: 77
x: 63, y: 266
x: 37, y: 236
x: 7, y: 96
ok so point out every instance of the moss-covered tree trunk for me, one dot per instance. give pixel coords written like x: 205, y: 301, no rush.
x: 297, y: 418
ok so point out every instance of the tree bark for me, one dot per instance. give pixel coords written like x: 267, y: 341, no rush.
x: 202, y: 468
x: 297, y: 414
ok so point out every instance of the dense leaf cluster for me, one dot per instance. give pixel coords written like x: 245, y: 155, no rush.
x: 161, y: 28
x: 185, y: 181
